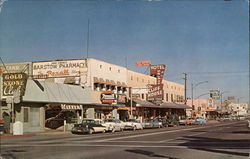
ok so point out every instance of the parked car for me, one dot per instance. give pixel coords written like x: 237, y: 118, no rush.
x: 173, y: 120
x: 188, y: 121
x: 88, y: 126
x: 225, y: 119
x: 133, y: 124
x: 200, y: 121
x: 152, y: 123
x: 113, y: 125
x: 164, y: 122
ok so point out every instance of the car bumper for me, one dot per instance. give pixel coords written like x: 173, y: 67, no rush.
x: 80, y: 130
x: 128, y: 127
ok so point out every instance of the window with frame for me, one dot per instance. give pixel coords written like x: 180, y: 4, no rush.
x: 25, y: 115
x: 142, y: 95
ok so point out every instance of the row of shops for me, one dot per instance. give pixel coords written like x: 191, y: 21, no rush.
x: 47, y: 105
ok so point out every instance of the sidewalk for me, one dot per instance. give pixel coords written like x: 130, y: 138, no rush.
x: 47, y: 132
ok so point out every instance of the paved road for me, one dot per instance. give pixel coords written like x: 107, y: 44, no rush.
x: 227, y: 140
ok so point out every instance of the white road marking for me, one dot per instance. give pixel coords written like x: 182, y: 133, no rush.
x: 181, y: 137
x: 122, y: 146
x: 155, y: 133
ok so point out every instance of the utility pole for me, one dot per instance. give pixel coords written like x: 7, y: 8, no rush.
x: 185, y: 93
x: 88, y: 41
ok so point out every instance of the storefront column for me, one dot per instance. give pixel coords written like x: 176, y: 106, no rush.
x: 115, y: 115
x: 42, y: 117
x: 91, y: 113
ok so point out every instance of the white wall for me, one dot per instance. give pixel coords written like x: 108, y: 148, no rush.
x: 101, y: 69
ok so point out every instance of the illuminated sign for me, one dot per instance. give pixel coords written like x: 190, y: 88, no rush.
x: 215, y: 94
x: 155, y: 93
x: 143, y: 63
x: 14, y: 82
x: 107, y: 97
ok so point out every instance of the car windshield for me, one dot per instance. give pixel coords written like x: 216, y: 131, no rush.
x: 132, y: 120
x: 88, y: 121
x: 109, y: 120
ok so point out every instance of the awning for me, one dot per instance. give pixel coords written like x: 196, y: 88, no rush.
x: 143, y: 103
x: 49, y: 92
x: 175, y: 106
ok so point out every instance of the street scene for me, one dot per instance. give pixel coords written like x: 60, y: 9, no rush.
x: 124, y: 79
x: 214, y: 140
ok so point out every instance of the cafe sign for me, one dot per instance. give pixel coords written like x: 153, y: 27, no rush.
x: 13, y: 82
x: 107, y: 97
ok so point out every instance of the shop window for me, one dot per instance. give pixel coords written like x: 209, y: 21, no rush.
x: 96, y: 86
x: 101, y: 87
x: 146, y: 96
x: 112, y: 88
x: 124, y: 90
x: 25, y: 115
x: 108, y: 87
x: 142, y: 95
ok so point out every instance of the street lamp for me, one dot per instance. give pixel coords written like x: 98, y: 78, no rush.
x: 192, y: 88
x: 221, y: 98
x: 201, y: 95
x: 238, y: 99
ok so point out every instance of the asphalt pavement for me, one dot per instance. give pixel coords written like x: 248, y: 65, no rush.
x: 224, y: 140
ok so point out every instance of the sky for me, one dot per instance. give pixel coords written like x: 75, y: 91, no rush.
x: 207, y: 39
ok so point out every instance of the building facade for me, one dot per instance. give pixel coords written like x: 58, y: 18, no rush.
x: 85, y: 88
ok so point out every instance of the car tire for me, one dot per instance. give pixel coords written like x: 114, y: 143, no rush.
x: 103, y: 131
x: 113, y: 130
x: 134, y: 128
x: 91, y: 131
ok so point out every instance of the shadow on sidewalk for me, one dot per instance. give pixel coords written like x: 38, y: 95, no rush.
x: 149, y: 153
x: 217, y: 145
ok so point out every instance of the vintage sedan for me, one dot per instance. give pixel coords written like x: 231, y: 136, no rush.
x: 152, y: 123
x: 200, y: 121
x: 114, y: 125
x: 88, y: 126
x: 133, y: 124
x: 188, y: 121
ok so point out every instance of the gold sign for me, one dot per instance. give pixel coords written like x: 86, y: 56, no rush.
x: 14, y: 82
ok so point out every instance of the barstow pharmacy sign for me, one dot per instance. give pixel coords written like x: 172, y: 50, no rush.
x: 63, y: 68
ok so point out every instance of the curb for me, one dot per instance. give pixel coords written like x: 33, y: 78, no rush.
x: 16, y: 136
x: 35, y: 134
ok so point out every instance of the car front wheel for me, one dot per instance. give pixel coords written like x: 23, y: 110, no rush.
x: 91, y: 131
